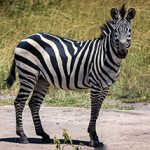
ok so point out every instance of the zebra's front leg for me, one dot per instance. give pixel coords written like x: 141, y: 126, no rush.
x: 38, y: 95
x: 97, y: 98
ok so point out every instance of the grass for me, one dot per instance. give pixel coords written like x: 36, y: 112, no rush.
x: 6, y: 102
x: 75, y: 19
x: 77, y: 99
x: 61, y: 98
x: 69, y: 98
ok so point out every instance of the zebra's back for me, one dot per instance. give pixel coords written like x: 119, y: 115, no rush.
x: 62, y: 62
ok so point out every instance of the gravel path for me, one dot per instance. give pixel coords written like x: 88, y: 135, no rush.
x: 119, y: 130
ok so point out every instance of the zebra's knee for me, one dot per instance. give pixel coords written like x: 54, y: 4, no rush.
x: 34, y: 104
x: 30, y: 104
x: 15, y: 103
x: 19, y: 104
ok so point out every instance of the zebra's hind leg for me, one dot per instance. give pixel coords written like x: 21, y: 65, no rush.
x: 40, y: 90
x: 19, y: 103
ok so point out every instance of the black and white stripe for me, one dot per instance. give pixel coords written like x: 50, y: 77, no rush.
x: 45, y: 59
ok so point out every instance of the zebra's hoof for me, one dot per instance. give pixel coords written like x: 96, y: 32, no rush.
x: 96, y: 143
x: 23, y: 140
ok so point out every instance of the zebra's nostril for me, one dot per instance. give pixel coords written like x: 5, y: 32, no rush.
x: 127, y: 44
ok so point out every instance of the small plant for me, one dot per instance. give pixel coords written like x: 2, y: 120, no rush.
x: 67, y: 141
x: 57, y: 143
x: 66, y: 136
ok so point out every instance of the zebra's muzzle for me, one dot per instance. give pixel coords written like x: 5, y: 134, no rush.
x: 122, y: 53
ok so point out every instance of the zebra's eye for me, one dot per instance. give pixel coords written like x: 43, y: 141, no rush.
x: 128, y: 40
x: 117, y: 41
x: 116, y: 35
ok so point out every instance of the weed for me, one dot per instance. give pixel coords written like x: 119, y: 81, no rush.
x: 67, y: 139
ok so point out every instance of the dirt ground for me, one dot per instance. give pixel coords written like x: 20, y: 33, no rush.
x: 119, y: 130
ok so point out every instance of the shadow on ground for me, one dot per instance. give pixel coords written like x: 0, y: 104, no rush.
x: 62, y: 141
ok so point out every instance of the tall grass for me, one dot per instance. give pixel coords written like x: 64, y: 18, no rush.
x: 80, y: 20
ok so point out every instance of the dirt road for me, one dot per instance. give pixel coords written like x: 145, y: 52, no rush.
x: 119, y: 130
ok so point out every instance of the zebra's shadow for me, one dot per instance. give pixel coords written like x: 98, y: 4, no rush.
x: 62, y: 141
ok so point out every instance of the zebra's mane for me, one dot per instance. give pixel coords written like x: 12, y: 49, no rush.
x: 122, y: 11
x: 105, y: 28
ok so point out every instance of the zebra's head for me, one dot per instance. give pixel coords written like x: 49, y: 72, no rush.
x: 121, y: 34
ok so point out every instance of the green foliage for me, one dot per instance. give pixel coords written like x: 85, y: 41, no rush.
x: 57, y: 143
x: 78, y: 19
x: 67, y: 139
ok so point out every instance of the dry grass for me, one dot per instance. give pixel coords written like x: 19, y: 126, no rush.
x: 79, y: 19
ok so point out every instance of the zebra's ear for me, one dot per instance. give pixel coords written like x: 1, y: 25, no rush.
x: 114, y: 13
x: 130, y: 14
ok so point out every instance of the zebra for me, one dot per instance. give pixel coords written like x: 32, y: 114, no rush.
x: 45, y: 59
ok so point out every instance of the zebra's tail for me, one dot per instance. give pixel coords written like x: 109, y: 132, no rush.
x: 12, y: 76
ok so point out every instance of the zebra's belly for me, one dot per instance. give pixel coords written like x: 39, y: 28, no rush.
x: 66, y: 82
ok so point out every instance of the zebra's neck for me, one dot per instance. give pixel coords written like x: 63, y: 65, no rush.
x: 108, y: 48
x: 106, y: 64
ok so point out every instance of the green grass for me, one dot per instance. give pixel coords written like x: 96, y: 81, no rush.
x: 6, y: 102
x: 61, y: 98
x: 77, y: 99
x: 135, y: 100
x: 68, y: 98
x: 80, y: 20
